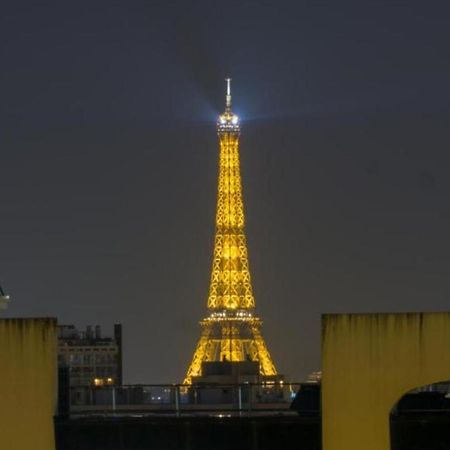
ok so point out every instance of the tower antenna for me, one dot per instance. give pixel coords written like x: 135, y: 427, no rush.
x: 228, y: 97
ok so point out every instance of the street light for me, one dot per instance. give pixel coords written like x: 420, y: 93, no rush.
x: 4, y: 299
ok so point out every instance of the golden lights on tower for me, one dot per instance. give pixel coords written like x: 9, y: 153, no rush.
x: 231, y: 331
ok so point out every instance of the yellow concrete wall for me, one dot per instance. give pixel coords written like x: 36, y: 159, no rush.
x: 27, y: 383
x: 369, y: 362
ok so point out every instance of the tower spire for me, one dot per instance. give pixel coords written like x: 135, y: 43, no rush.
x: 231, y: 331
x: 228, y: 122
x: 228, y: 96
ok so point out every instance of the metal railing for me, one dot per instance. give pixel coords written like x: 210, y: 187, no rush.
x: 228, y: 399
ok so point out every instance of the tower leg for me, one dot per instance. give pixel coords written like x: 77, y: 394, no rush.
x: 200, y: 354
x: 267, y: 366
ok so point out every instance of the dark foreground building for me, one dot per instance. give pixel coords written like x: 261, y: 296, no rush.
x: 419, y: 422
x: 424, y: 431
x: 189, y: 433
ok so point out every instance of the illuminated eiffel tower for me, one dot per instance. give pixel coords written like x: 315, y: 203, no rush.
x: 231, y: 331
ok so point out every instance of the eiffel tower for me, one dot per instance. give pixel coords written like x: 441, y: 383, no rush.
x: 231, y: 331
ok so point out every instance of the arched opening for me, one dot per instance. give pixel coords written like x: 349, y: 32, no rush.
x: 420, y: 419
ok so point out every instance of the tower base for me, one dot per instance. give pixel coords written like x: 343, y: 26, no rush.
x: 231, y: 337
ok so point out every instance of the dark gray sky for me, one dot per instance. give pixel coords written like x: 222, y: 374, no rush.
x: 108, y: 159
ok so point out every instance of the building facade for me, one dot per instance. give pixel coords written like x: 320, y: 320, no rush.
x: 92, y: 360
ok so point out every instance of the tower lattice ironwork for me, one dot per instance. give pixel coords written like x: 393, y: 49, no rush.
x: 231, y: 331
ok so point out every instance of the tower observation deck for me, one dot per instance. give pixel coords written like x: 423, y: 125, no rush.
x: 231, y: 331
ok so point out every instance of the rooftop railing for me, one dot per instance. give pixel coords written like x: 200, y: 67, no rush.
x: 210, y: 399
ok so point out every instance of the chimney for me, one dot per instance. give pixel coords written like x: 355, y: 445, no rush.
x: 118, y: 339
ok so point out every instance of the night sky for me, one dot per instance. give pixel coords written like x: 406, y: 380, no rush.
x: 108, y: 159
